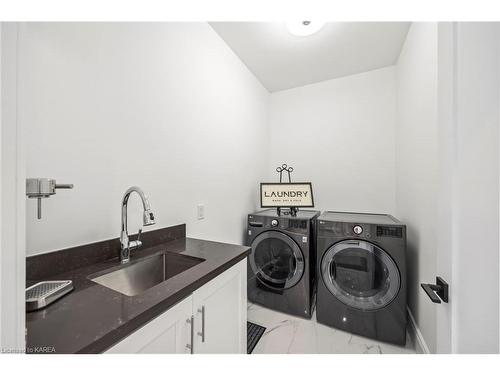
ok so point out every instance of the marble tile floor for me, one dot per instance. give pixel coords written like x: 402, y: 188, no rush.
x: 294, y: 335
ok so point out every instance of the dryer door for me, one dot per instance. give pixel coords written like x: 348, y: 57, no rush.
x: 360, y: 274
x: 276, y: 260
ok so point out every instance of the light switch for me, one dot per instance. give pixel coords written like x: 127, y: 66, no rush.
x: 201, y: 211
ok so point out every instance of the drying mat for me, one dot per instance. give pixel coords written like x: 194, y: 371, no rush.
x: 254, y: 333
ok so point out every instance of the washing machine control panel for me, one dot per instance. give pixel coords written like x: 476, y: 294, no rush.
x: 288, y: 224
x: 284, y: 223
x: 298, y: 224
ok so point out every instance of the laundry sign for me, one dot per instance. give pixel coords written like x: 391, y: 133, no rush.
x: 295, y: 194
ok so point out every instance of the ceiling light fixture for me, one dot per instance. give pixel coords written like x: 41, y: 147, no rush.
x: 304, y: 28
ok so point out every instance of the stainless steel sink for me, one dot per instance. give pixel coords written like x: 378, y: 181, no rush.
x: 145, y: 273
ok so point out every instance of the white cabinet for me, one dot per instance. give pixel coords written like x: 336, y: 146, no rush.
x: 168, y: 333
x: 211, y: 320
x: 221, y: 313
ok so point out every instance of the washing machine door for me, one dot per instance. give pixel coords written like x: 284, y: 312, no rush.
x: 276, y: 260
x: 360, y: 274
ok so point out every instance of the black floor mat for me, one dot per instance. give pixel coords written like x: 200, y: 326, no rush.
x: 254, y: 333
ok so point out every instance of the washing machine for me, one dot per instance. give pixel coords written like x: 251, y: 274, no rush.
x: 282, y: 264
x: 361, y: 262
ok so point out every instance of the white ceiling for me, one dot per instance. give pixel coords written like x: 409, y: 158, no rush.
x: 282, y: 61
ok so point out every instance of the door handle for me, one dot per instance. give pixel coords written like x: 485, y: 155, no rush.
x: 202, y: 333
x: 438, y: 291
x: 190, y: 346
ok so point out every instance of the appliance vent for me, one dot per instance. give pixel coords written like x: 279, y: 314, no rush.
x: 383, y: 231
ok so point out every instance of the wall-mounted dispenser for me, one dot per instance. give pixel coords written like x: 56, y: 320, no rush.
x: 43, y: 188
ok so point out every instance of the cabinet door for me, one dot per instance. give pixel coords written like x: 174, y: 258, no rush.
x: 168, y: 333
x: 221, y: 314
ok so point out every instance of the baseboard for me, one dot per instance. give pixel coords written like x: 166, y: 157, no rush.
x: 420, y: 344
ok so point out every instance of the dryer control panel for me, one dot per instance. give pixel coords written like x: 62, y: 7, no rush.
x: 360, y: 230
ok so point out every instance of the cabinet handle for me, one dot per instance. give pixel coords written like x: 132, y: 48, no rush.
x: 202, y: 333
x: 190, y: 346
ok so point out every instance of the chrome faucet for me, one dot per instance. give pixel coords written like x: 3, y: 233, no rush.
x: 148, y: 219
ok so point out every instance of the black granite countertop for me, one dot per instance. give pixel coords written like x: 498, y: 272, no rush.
x: 93, y: 318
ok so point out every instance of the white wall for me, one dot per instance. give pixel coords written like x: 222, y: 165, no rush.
x: 340, y: 135
x: 168, y: 107
x: 417, y: 167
